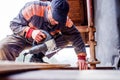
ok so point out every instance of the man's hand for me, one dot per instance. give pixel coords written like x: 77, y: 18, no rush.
x: 38, y: 36
x: 82, y: 65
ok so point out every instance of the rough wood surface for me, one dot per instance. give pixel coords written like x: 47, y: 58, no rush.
x: 6, y: 66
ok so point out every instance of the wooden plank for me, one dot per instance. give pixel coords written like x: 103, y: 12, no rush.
x: 82, y: 29
x: 8, y: 66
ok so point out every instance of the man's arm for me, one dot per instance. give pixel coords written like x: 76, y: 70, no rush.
x: 78, y: 44
x: 19, y: 25
x: 22, y: 26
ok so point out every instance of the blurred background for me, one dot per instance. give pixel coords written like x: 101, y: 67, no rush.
x: 9, y: 9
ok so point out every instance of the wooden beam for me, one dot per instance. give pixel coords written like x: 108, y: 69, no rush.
x: 82, y: 29
x: 93, y: 60
x: 9, y: 66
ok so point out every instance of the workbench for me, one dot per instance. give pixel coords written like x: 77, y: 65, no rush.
x: 43, y: 71
x: 65, y: 75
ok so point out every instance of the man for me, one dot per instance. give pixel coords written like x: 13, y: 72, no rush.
x: 28, y: 25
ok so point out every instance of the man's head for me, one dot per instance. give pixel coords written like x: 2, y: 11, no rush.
x: 60, y: 9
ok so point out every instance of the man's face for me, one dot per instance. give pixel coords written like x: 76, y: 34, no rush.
x: 50, y: 18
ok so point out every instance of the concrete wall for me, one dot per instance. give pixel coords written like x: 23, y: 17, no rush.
x: 107, y: 23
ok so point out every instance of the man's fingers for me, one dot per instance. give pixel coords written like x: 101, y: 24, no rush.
x: 37, y: 35
x: 85, y: 66
x: 42, y: 35
x: 38, y: 38
x: 82, y: 65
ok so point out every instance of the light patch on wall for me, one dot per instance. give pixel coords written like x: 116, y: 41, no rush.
x: 8, y: 10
